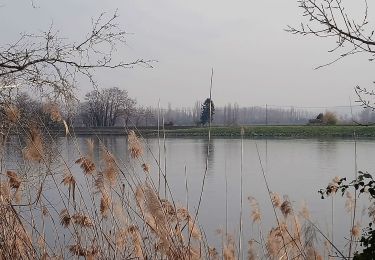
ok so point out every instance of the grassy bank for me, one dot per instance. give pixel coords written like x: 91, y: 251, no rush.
x: 272, y: 131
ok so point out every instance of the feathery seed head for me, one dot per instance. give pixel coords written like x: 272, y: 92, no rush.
x: 146, y: 167
x: 286, y: 207
x: 255, y: 212
x: 134, y: 145
x: 65, y: 218
x: 86, y: 165
x: 53, y: 110
x: 12, y: 113
x: 276, y: 199
x: 356, y: 230
x: 14, y: 180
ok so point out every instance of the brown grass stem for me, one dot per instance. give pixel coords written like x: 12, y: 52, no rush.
x: 207, y: 158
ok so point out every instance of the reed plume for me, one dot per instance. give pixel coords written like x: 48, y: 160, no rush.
x: 213, y: 254
x: 5, y: 194
x: 70, y: 181
x: 121, y: 237
x: 312, y: 254
x: 45, y: 211
x: 14, y: 179
x: 229, y: 252
x: 82, y: 220
x: 286, y: 207
x: 105, y: 202
x: 110, y: 170
x: 305, y: 212
x: 333, y: 186
x: 34, y: 150
x: 169, y: 210
x: 356, y: 230
x: 86, y: 164
x: 16, y: 242
x: 251, y: 253
x: 134, y: 145
x: 77, y: 250
x: 12, y: 113
x: 140, y: 198
x: 256, y: 216
x: 154, y: 207
x: 137, y: 241
x: 65, y: 218
x: 146, y: 167
x: 194, y: 229
x: 349, y: 203
x: 274, y: 242
x: 119, y: 214
x: 192, y: 253
x: 183, y: 214
x: 276, y: 199
x: 53, y: 110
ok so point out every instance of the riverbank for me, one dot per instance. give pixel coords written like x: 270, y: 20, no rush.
x: 301, y: 131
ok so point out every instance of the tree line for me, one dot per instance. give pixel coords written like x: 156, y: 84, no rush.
x: 114, y: 107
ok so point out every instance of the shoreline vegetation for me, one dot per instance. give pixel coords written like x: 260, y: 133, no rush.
x: 276, y: 131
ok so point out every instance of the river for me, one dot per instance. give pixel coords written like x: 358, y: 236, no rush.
x: 297, y: 168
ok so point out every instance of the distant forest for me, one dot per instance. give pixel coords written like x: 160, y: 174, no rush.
x: 233, y: 114
x: 113, y: 107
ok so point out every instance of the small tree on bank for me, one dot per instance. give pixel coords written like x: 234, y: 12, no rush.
x: 207, y: 111
x: 105, y: 107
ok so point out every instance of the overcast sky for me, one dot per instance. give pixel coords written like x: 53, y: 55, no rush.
x: 255, y: 61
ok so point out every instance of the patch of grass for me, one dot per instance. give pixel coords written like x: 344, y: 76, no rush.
x: 343, y: 131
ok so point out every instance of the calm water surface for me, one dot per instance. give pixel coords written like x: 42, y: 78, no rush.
x: 294, y: 167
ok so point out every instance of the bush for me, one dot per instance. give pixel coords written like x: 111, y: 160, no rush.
x: 330, y: 118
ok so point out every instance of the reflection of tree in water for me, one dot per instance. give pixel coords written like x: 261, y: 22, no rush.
x: 328, y: 150
x: 208, y: 148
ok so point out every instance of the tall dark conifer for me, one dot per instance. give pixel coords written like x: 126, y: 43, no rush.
x: 205, y: 112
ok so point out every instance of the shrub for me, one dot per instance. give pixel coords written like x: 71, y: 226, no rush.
x: 330, y: 118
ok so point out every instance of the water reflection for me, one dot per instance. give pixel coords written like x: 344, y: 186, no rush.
x: 296, y: 167
x: 208, y: 149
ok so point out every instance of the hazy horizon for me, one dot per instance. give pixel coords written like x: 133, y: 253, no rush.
x: 255, y: 61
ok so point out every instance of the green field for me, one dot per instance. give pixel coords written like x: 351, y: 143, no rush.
x: 273, y: 131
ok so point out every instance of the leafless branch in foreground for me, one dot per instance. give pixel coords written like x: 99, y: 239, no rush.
x: 51, y: 64
x: 329, y: 19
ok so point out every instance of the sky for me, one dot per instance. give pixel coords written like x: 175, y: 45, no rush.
x: 255, y: 61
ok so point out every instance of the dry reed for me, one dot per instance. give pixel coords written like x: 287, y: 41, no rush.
x: 34, y: 150
x: 286, y: 207
x: 53, y: 110
x: 12, y: 113
x: 86, y: 164
x: 110, y: 170
x: 134, y: 145
x: 256, y: 216
x: 276, y: 199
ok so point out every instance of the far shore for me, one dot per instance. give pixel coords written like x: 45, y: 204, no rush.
x: 254, y: 131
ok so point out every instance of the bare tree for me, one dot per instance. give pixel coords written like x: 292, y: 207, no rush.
x: 139, y: 114
x: 51, y: 64
x: 329, y: 19
x: 149, y: 115
x: 105, y: 107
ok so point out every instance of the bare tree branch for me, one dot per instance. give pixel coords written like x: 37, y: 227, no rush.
x: 50, y: 63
